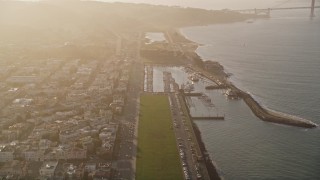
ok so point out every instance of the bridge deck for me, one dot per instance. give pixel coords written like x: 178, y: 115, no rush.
x: 266, y: 9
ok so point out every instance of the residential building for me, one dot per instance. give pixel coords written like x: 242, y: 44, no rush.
x: 48, y: 169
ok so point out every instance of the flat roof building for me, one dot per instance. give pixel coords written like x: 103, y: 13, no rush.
x: 48, y: 169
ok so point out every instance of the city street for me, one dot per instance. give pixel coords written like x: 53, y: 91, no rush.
x: 128, y: 129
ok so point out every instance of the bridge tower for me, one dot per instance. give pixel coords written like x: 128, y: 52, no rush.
x: 265, y: 12
x: 312, y: 8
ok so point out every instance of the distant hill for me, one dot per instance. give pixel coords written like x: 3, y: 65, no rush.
x: 89, y: 21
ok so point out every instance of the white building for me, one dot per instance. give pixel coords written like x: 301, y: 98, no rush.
x: 48, y: 168
x: 6, y: 154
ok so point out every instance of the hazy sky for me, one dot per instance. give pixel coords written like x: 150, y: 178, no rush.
x: 221, y: 4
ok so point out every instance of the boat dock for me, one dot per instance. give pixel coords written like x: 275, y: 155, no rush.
x: 149, y: 78
x: 208, y: 118
x: 193, y: 94
x: 214, y: 87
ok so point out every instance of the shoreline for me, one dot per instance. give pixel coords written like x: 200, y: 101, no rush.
x: 212, y: 169
x: 262, y: 113
x: 259, y: 111
x: 197, y: 64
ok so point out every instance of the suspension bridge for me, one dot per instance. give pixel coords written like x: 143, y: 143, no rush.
x: 267, y: 11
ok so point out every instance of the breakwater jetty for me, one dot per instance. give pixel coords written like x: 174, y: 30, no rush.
x: 269, y: 115
x: 275, y: 117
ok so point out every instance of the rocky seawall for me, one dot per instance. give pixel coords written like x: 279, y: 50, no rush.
x: 275, y: 117
x: 213, y: 173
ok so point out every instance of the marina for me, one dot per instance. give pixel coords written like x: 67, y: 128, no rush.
x: 198, y: 100
x: 169, y: 79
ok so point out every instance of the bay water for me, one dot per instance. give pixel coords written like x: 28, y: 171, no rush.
x: 277, y: 60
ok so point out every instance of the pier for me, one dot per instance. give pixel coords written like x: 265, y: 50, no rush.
x: 214, y: 87
x: 193, y: 94
x: 208, y: 118
x: 149, y: 78
x: 167, y: 78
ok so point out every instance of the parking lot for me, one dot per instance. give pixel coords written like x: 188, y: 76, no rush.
x: 186, y: 143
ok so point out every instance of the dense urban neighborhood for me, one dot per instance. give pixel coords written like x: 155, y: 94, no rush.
x: 61, y: 118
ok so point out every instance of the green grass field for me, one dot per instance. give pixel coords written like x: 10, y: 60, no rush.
x: 158, y: 156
